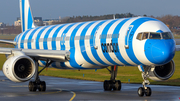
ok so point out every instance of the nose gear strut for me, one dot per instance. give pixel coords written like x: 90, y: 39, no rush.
x: 144, y: 90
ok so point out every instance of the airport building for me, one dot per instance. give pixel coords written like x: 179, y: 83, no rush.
x: 2, y: 25
x: 38, y: 21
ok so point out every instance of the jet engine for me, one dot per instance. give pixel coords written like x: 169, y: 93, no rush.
x: 19, y: 68
x: 163, y: 72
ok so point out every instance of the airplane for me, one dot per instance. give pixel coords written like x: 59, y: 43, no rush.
x: 144, y: 42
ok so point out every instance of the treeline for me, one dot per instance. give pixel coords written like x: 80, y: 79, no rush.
x: 10, y: 30
x: 173, y: 22
x: 92, y: 18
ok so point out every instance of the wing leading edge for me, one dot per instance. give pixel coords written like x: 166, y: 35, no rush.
x: 54, y: 55
x: 8, y: 42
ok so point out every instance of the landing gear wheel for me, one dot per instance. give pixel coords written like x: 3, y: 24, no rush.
x: 32, y: 86
x: 42, y: 86
x: 107, y: 85
x: 117, y: 85
x: 148, y: 91
x: 141, y: 91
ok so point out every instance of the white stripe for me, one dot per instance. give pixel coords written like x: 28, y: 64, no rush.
x: 121, y: 40
x: 49, y: 43
x: 19, y: 41
x: 41, y: 46
x: 26, y: 14
x: 108, y: 40
x: 58, y: 46
x: 87, y: 43
x: 67, y: 42
x: 26, y: 38
x: 98, y: 42
x: 78, y: 55
x: 33, y: 44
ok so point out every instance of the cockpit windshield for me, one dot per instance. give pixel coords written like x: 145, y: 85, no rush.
x: 167, y: 35
x: 154, y: 35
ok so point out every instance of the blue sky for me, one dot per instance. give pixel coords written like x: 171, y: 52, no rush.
x: 9, y: 9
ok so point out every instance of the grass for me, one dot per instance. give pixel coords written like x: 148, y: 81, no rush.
x: 125, y: 74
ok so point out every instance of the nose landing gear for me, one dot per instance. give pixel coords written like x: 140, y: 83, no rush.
x: 144, y: 90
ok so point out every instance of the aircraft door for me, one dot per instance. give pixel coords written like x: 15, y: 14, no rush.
x: 129, y: 36
x: 95, y: 39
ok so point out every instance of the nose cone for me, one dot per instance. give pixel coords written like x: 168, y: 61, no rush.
x: 161, y: 52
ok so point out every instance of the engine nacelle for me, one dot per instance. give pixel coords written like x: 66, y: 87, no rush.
x: 161, y: 73
x: 19, y: 68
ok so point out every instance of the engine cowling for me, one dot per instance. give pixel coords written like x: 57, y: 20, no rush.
x: 161, y: 73
x: 19, y: 68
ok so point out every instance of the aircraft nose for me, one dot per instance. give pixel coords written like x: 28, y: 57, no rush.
x: 162, y: 52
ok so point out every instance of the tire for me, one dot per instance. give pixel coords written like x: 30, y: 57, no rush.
x: 141, y: 91
x: 117, y: 85
x: 148, y: 91
x: 107, y: 85
x: 34, y: 86
x: 42, y: 86
x: 30, y: 86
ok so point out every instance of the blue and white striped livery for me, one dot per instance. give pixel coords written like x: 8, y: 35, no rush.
x: 26, y: 15
x: 139, y: 41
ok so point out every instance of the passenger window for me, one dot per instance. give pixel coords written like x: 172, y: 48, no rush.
x: 155, y: 36
x: 139, y: 36
x: 145, y: 35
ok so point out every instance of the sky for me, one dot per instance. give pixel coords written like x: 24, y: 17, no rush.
x: 52, y: 9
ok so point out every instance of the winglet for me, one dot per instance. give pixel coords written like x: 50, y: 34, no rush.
x: 27, y: 20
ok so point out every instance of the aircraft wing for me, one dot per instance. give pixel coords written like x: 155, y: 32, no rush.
x: 54, y: 55
x: 8, y: 42
x: 177, y: 47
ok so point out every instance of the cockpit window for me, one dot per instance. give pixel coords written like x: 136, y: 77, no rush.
x: 166, y: 35
x: 155, y: 35
x: 145, y: 35
x: 139, y: 36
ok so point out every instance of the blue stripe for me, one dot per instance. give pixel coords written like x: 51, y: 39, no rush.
x: 55, y: 36
x: 62, y: 42
x: 82, y: 45
x: 54, y: 65
x: 30, y: 19
x: 72, y: 60
x: 135, y: 24
x: 38, y: 37
x: 93, y: 50
x: 23, y: 22
x: 22, y: 39
x: 46, y: 36
x: 18, y: 40
x: 115, y: 40
x: 105, y: 32
x: 30, y: 37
